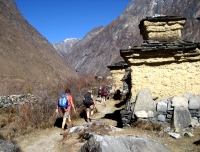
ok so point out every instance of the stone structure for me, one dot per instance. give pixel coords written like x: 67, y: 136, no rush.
x: 162, y: 28
x: 164, y: 63
x: 181, y: 111
x: 13, y: 100
x: 118, y: 70
x: 169, y: 67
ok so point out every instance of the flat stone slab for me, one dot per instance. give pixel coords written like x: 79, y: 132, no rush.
x: 182, y: 118
x: 141, y: 114
x: 144, y: 101
x: 180, y: 102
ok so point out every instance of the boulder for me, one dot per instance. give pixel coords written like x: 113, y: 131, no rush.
x: 193, y: 103
x: 123, y: 144
x: 162, y: 106
x: 180, y: 102
x: 144, y: 101
x: 182, y: 118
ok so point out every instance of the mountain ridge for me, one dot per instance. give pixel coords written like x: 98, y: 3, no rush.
x: 26, y: 55
x: 102, y: 49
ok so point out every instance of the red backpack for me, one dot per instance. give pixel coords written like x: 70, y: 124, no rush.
x: 104, y: 91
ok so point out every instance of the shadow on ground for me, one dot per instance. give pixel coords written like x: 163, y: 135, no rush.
x: 118, y: 105
x: 115, y: 116
x: 83, y: 115
x: 58, y: 122
x: 197, y: 142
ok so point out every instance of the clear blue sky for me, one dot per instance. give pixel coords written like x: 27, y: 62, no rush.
x: 57, y: 20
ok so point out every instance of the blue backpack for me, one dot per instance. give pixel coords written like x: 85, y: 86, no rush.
x: 63, y: 101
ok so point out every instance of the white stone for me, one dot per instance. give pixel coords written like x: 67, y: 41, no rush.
x: 179, y: 102
x: 141, y: 114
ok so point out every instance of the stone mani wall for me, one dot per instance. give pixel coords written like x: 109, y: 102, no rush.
x: 165, y: 80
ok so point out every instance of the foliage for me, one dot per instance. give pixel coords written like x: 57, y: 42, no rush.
x: 40, y: 115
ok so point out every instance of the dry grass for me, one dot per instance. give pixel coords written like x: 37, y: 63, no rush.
x: 142, y: 125
x: 28, y: 117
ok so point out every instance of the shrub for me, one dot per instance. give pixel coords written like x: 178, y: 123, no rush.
x: 143, y: 125
x: 40, y: 115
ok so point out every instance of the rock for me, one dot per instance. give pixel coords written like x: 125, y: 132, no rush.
x: 76, y: 129
x: 150, y: 114
x: 175, y: 135
x: 189, y: 95
x: 182, y: 118
x: 188, y: 134
x: 193, y: 103
x: 6, y: 146
x: 122, y: 144
x: 169, y: 106
x: 194, y: 123
x: 179, y: 102
x: 167, y: 129
x: 141, y: 114
x: 164, y: 100
x: 162, y: 106
x: 144, y: 101
x: 161, y: 118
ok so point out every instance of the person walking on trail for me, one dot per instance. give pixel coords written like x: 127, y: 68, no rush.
x: 66, y: 109
x: 89, y: 104
x: 104, y: 93
x: 99, y: 93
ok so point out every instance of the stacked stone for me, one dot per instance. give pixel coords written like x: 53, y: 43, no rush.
x: 126, y: 117
x: 162, y: 28
x: 12, y: 100
x: 182, y: 111
x: 164, y: 110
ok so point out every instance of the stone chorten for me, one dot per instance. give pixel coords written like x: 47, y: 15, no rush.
x: 164, y: 63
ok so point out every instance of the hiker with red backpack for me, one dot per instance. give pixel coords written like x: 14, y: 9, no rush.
x: 99, y: 93
x: 65, y: 103
x: 89, y: 104
x: 104, y: 94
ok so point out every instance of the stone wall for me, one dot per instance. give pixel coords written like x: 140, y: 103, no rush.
x: 181, y: 111
x: 14, y: 100
x: 162, y: 28
x: 167, y: 78
x: 117, y: 76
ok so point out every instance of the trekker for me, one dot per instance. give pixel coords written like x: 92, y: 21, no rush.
x: 89, y: 104
x: 66, y: 111
x: 99, y: 93
x: 104, y: 94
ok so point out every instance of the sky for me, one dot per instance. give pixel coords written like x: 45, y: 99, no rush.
x: 58, y: 20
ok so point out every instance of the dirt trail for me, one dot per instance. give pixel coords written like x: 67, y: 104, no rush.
x: 50, y: 140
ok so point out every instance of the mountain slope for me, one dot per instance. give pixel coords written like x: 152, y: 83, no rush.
x: 63, y: 46
x: 25, y: 55
x: 103, y: 49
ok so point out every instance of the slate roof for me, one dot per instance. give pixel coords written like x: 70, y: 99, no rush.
x: 176, y: 48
